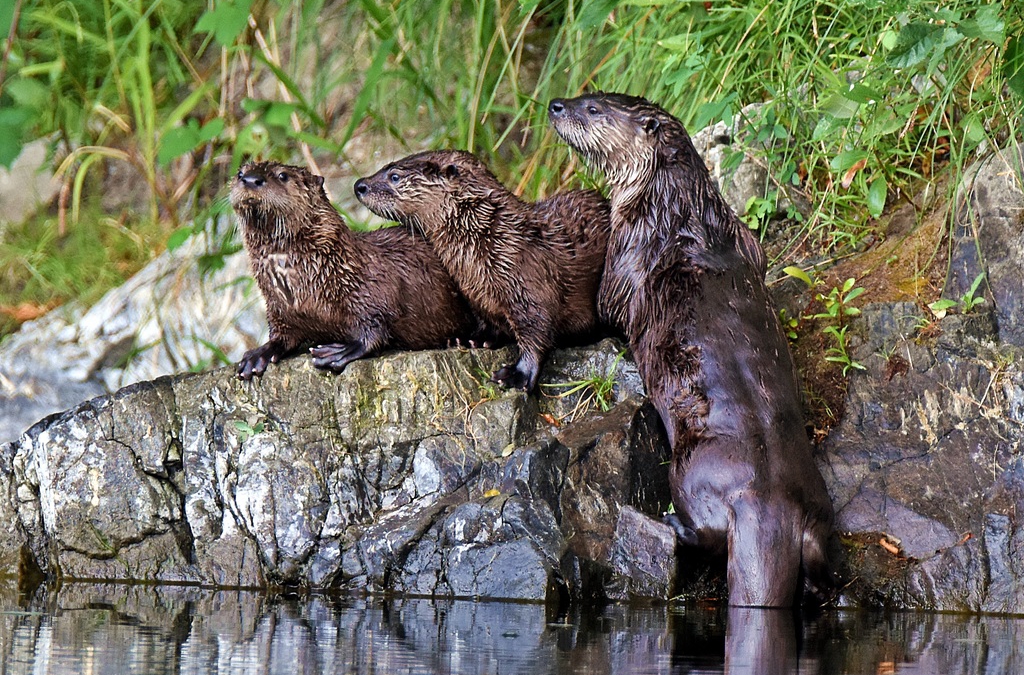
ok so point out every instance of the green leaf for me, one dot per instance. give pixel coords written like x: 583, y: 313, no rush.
x: 6, y: 17
x: 178, y: 141
x: 798, y: 273
x: 226, y: 20
x: 14, y: 121
x: 985, y: 25
x: 279, y: 114
x: 1013, y: 65
x: 826, y: 126
x: 594, y: 13
x: 370, y: 84
x: 913, y: 44
x: 178, y: 237
x: 876, y: 196
x: 974, y: 129
x: 863, y: 94
x: 846, y: 159
x: 840, y: 107
x: 211, y: 130
x: 28, y: 92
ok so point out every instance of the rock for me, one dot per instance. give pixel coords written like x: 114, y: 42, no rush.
x: 402, y: 474
x: 989, y: 239
x: 27, y: 185
x: 748, y: 178
x: 643, y: 557
x: 929, y: 454
x: 167, y: 318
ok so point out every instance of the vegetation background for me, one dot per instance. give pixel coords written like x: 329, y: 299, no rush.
x: 148, y: 106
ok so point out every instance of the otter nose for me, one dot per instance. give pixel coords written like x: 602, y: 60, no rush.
x: 361, y: 188
x: 556, y: 107
x: 252, y: 180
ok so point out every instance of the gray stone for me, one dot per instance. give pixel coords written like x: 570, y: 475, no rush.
x: 161, y: 321
x: 989, y: 239
x: 929, y: 455
x: 27, y: 185
x: 387, y: 477
x: 643, y: 557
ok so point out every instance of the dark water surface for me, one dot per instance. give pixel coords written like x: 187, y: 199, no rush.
x: 109, y: 629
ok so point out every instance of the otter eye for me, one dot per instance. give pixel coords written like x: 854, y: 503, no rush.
x: 592, y: 109
x: 394, y: 177
x: 283, y: 177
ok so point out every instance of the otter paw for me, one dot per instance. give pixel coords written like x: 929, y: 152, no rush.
x: 337, y: 355
x: 512, y: 377
x: 255, y: 361
x: 685, y: 535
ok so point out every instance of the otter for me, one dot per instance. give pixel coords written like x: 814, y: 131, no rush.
x: 684, y: 279
x: 351, y: 293
x: 529, y: 270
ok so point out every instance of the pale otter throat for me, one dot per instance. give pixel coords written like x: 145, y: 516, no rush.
x: 684, y: 279
x: 529, y: 270
x: 353, y: 294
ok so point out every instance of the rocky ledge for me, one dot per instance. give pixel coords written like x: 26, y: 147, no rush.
x: 410, y: 473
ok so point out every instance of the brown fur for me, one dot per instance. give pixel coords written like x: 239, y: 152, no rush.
x: 353, y: 293
x: 531, y: 270
x: 685, y: 280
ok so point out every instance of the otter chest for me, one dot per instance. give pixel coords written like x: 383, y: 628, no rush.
x: 284, y: 279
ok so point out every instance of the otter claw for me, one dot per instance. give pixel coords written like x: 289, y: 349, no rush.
x: 685, y: 535
x: 511, y: 377
x: 255, y: 361
x: 337, y: 355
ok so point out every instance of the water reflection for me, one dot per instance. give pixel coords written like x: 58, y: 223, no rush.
x: 109, y: 629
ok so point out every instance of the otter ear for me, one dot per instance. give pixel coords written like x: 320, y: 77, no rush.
x: 650, y: 125
x: 316, y: 182
x: 450, y: 171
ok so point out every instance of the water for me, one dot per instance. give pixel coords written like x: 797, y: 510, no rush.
x: 109, y: 629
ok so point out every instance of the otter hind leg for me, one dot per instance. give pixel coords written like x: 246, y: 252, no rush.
x: 337, y: 355
x: 764, y: 543
x: 819, y: 578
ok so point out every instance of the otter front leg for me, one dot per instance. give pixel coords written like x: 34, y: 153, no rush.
x: 337, y: 355
x: 534, y: 338
x: 255, y: 361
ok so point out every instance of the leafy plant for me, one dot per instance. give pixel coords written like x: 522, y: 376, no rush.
x: 837, y: 311
x: 789, y: 324
x: 968, y: 301
x: 837, y: 303
x: 839, y: 351
x: 597, y: 390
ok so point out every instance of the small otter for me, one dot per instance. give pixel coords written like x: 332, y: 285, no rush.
x: 685, y: 281
x: 531, y: 270
x: 354, y: 293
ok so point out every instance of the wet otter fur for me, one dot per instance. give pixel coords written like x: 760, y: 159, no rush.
x: 530, y: 270
x: 685, y: 281
x: 352, y: 293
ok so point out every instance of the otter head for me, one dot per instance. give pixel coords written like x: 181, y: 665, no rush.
x: 619, y: 135
x: 429, y: 190
x: 276, y: 195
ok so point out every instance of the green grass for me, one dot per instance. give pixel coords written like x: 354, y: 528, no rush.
x: 865, y: 101
x: 39, y: 268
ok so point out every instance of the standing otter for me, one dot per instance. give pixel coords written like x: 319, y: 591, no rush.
x: 353, y: 293
x: 531, y: 270
x: 685, y: 281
